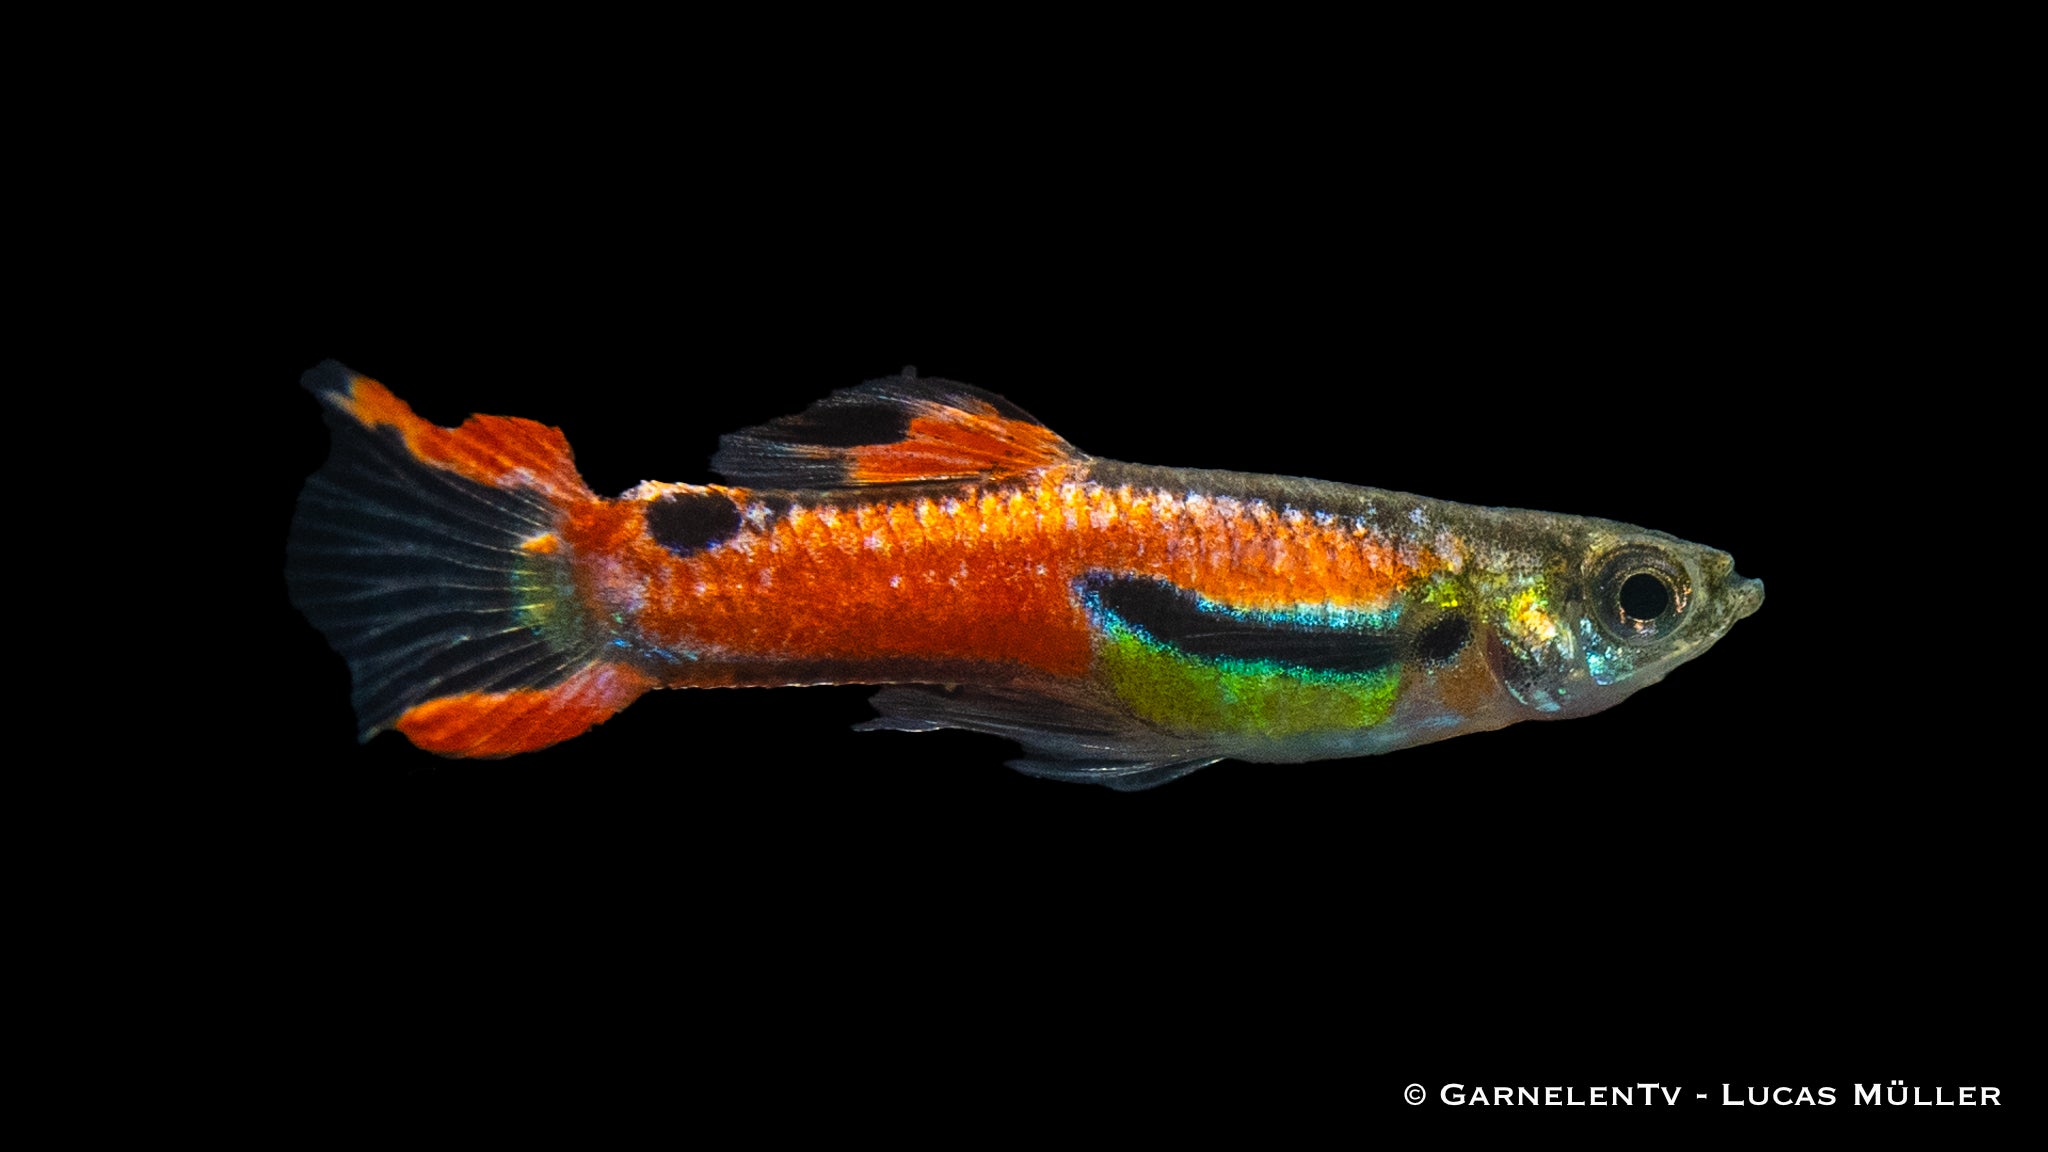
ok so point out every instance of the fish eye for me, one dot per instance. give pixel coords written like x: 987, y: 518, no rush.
x: 1640, y: 595
x: 1644, y: 597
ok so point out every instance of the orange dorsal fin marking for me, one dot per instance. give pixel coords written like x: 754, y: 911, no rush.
x: 524, y: 720
x: 957, y: 445
x: 497, y: 450
x: 898, y: 430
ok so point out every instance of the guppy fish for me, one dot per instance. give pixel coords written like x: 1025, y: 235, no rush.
x: 1125, y: 624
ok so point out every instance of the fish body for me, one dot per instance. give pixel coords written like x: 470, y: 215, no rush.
x: 1125, y: 624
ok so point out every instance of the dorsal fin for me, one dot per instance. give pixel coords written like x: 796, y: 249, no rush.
x: 897, y: 430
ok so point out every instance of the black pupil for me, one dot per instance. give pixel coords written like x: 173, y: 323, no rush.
x: 1644, y: 597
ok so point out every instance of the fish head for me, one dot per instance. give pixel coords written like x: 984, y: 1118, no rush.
x: 1610, y: 610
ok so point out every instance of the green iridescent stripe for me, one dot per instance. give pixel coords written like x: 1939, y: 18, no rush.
x: 1183, y: 694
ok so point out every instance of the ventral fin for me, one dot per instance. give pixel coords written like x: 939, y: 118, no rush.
x: 1124, y: 777
x: 897, y: 430
x: 1067, y: 731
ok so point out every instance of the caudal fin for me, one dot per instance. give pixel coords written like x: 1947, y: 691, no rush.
x: 433, y: 560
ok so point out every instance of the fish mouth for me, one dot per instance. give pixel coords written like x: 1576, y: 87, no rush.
x: 1745, y: 596
x: 1739, y: 595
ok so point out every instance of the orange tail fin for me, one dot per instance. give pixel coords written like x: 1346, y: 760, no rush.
x: 429, y: 558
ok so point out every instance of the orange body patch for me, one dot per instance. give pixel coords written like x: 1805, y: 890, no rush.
x: 988, y: 576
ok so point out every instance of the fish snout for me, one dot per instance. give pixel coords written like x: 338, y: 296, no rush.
x: 1744, y: 595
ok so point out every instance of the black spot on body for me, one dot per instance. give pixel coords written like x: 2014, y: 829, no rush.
x: 686, y: 522
x: 1175, y: 617
x: 1443, y: 639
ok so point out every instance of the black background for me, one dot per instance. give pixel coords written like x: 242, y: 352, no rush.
x: 1775, y: 867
